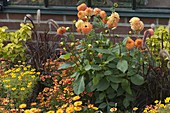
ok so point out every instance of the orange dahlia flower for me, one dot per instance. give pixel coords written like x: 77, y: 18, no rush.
x: 130, y: 44
x: 103, y: 14
x: 89, y: 11
x: 97, y: 11
x: 136, y: 24
x: 81, y: 14
x: 138, y: 43
x: 61, y: 30
x: 86, y: 28
x: 82, y: 7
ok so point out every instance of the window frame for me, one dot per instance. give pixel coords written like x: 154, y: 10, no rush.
x: 71, y: 10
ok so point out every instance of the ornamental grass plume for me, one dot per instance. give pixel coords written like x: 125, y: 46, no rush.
x: 130, y: 44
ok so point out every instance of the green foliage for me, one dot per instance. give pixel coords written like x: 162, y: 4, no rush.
x: 110, y: 77
x: 12, y: 43
x: 159, y: 41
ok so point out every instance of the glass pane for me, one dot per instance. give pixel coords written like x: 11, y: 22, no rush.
x: 26, y: 2
x: 154, y: 3
x: 104, y: 3
x: 63, y: 2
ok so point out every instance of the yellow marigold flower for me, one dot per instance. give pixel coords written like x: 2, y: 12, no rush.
x: 156, y: 101
x: 22, y: 89
x: 59, y: 111
x: 8, y: 86
x: 19, y: 77
x: 31, y: 73
x: 69, y: 109
x: 145, y: 111
x: 13, y: 89
x: 28, y: 86
x: 38, y: 73
x: 29, y: 66
x: 30, y: 83
x: 51, y: 111
x: 78, y: 103
x: 33, y: 69
x: 76, y: 98
x: 95, y: 108
x: 167, y: 100
x: 77, y: 108
x: 18, y: 69
x: 135, y: 109
x: 27, y: 111
x: 25, y: 68
x: 22, y: 106
x: 33, y: 110
x: 33, y: 76
x: 64, y: 106
x: 162, y: 105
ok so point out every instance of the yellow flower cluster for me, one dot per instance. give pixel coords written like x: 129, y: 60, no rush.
x: 19, y: 81
x: 159, y: 107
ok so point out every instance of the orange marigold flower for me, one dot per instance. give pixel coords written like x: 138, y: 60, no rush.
x: 82, y: 7
x: 97, y: 11
x: 86, y: 28
x: 14, y: 110
x: 130, y: 44
x: 89, y: 11
x: 81, y: 14
x: 113, y: 109
x: 103, y: 14
x: 33, y: 104
x: 61, y: 30
x: 138, y: 43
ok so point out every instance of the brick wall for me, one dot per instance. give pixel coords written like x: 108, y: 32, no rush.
x: 13, y: 22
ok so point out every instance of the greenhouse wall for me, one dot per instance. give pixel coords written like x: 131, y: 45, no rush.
x: 13, y: 20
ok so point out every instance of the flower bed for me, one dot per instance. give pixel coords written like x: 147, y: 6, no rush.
x: 92, y: 74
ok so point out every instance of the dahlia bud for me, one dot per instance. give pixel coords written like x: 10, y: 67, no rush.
x: 100, y: 55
